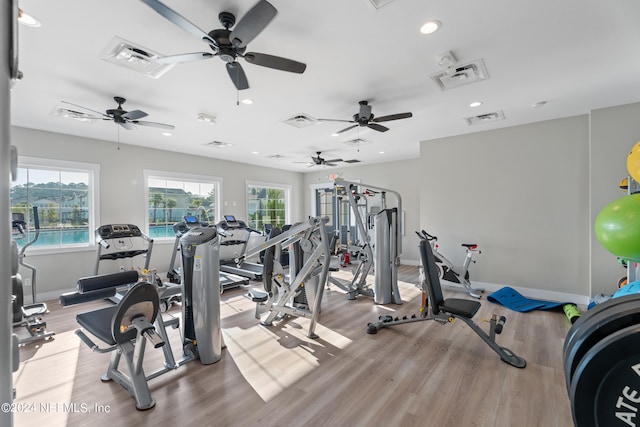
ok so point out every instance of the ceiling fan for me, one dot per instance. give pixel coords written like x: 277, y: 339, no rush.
x: 228, y: 44
x: 364, y: 117
x: 126, y: 119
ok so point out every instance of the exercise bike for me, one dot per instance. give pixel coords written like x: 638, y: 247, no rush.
x: 450, y: 272
x: 30, y: 316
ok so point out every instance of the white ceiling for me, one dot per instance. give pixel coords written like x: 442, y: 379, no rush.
x: 577, y: 55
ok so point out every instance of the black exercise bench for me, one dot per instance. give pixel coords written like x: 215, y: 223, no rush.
x: 446, y: 310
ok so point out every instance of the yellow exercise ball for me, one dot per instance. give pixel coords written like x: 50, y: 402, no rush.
x: 633, y: 162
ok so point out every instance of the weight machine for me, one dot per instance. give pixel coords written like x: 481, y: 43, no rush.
x: 136, y: 320
x: 382, y: 246
x: 310, y: 257
x: 227, y: 280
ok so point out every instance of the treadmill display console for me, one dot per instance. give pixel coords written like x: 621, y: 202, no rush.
x: 190, y: 219
x: 115, y: 231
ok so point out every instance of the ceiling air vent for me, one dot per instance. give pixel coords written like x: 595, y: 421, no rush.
x: 485, y: 118
x: 277, y: 156
x: 133, y: 57
x: 300, y: 121
x: 218, y: 144
x: 461, y: 74
x: 379, y: 3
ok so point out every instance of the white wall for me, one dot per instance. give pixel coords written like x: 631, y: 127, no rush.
x: 521, y: 193
x: 122, y: 193
x: 529, y: 195
x: 398, y: 176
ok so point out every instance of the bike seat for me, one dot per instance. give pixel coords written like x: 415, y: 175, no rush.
x: 37, y: 309
x: 470, y: 246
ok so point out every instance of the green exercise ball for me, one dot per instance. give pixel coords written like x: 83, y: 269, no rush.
x: 617, y: 227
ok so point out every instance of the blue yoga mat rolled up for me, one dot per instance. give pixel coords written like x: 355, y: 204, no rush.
x: 513, y: 300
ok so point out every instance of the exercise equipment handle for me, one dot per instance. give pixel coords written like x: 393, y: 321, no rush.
x: 500, y: 324
x: 429, y: 236
x: 36, y: 223
x: 36, y: 219
x: 93, y: 346
x: 153, y: 338
x: 85, y: 339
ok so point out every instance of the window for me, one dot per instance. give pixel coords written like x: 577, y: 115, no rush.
x: 267, y: 204
x: 65, y: 194
x: 171, y: 196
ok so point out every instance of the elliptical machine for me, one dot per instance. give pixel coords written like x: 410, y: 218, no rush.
x: 30, y: 316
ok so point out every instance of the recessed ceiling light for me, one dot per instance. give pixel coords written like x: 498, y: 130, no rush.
x: 380, y: 152
x: 475, y: 104
x: 254, y: 152
x: 335, y: 134
x: 430, y: 27
x: 167, y: 133
x: 247, y: 101
x: 28, y: 20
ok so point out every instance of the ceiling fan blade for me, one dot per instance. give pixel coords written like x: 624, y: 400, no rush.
x: 333, y: 160
x: 154, y: 124
x: 127, y: 125
x: 185, y: 57
x: 377, y: 127
x: 134, y: 115
x: 180, y: 21
x: 329, y: 164
x: 335, y: 120
x: 392, y: 117
x: 85, y: 108
x: 238, y: 77
x: 252, y: 24
x: 346, y: 129
x: 275, y: 62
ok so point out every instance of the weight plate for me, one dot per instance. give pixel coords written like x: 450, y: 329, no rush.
x: 605, y: 391
x: 601, y: 321
x: 586, y: 318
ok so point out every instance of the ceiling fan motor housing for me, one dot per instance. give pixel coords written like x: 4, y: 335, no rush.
x: 225, y: 50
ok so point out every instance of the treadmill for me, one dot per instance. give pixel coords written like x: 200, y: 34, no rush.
x: 234, y: 232
x: 227, y: 280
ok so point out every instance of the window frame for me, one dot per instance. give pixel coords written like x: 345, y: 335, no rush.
x: 287, y: 188
x: 184, y: 177
x: 56, y: 165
